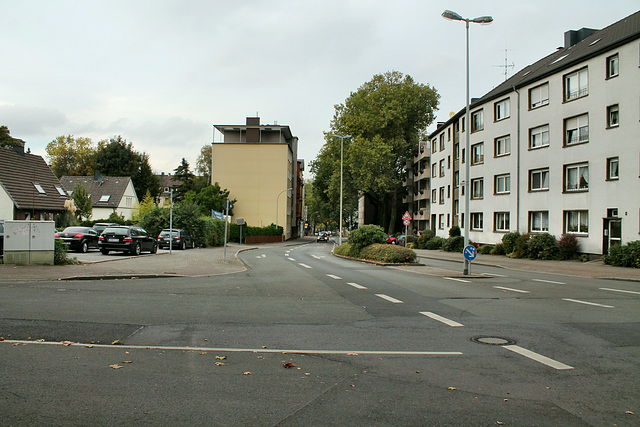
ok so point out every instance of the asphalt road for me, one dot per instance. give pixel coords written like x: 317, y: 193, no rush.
x: 371, y: 345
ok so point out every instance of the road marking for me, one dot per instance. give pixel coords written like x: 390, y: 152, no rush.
x: 457, y: 280
x: 441, y: 319
x: 587, y: 303
x: 390, y: 299
x: 316, y: 256
x: 494, y: 275
x: 264, y: 255
x: 355, y: 285
x: 334, y: 276
x: 291, y: 259
x: 548, y: 281
x: 304, y: 265
x: 510, y: 289
x: 537, y: 357
x: 245, y: 350
x: 620, y: 290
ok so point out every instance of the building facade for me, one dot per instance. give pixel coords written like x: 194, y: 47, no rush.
x: 258, y: 165
x: 554, y: 149
x: 109, y: 194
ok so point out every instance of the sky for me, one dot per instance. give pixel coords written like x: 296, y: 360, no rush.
x: 161, y: 73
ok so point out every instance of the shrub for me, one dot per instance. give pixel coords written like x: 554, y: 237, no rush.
x: 344, y: 249
x: 453, y: 244
x: 156, y: 220
x: 454, y: 231
x: 60, y: 254
x: 498, y: 249
x: 542, y: 246
x: 388, y: 253
x: 585, y: 258
x: 366, y: 235
x: 509, y: 241
x: 435, y: 243
x: 568, y: 246
x: 486, y: 249
x: 425, y: 236
x: 520, y: 247
x: 624, y: 256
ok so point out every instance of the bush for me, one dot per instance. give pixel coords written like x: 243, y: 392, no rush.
x: 486, y: 249
x: 624, y: 256
x: 520, y: 247
x: 425, y: 236
x: 435, y: 243
x: 155, y: 221
x: 60, y: 254
x: 498, y: 249
x: 509, y: 241
x: 568, y: 246
x: 366, y: 235
x: 454, y: 231
x: 542, y: 246
x: 388, y: 253
x: 344, y: 249
x: 453, y: 244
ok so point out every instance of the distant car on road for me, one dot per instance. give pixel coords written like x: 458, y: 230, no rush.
x: 79, y: 239
x: 181, y: 239
x: 132, y: 239
x: 323, y: 237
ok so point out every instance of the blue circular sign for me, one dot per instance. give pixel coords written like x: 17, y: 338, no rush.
x: 470, y: 252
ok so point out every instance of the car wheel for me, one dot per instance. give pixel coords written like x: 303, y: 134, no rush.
x: 105, y: 251
x: 154, y: 250
x: 183, y: 246
x: 84, y: 247
x: 136, y: 250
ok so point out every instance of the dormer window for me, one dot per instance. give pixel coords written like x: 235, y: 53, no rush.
x: 105, y: 198
x: 60, y: 190
x: 39, y: 188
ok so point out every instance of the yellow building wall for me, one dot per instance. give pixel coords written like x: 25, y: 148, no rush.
x: 256, y: 175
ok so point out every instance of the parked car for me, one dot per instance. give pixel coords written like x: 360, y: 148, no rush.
x: 323, y: 237
x: 100, y: 226
x: 181, y: 239
x: 79, y: 239
x: 391, y: 239
x: 126, y: 239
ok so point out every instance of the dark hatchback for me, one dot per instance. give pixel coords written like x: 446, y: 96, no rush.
x: 79, y: 239
x: 181, y: 239
x: 133, y: 240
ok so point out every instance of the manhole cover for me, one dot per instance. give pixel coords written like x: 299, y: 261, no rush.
x: 493, y: 340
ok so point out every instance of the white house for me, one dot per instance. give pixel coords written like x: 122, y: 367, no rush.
x: 108, y: 194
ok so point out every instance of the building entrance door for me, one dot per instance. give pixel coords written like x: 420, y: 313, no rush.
x: 612, y: 234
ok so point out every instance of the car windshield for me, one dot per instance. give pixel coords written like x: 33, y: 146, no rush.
x: 118, y: 231
x: 76, y: 230
x: 169, y: 233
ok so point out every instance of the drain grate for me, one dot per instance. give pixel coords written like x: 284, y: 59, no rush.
x: 493, y: 340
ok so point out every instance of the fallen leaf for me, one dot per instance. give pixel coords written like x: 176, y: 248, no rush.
x: 352, y: 354
x: 66, y: 343
x: 264, y: 346
x: 417, y: 372
x: 288, y: 365
x: 1, y: 339
x: 246, y: 373
x: 629, y: 413
x: 452, y: 388
x: 89, y: 346
x: 219, y: 364
x: 16, y: 343
x: 40, y: 340
x: 115, y: 366
x: 353, y: 385
x: 506, y: 400
x: 116, y: 342
x: 127, y: 361
x: 499, y: 423
x: 221, y: 357
x: 203, y: 353
x: 206, y: 339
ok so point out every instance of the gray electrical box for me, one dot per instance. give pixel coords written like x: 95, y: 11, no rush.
x: 29, y: 242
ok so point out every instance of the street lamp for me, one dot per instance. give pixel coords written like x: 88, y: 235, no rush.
x: 484, y: 20
x: 277, y: 199
x: 342, y: 138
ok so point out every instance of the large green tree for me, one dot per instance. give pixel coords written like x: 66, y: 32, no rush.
x: 183, y: 175
x: 117, y: 157
x: 210, y: 198
x: 68, y: 155
x: 82, y: 201
x: 203, y: 162
x: 386, y: 118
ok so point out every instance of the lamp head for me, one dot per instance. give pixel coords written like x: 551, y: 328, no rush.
x: 451, y: 16
x: 483, y: 20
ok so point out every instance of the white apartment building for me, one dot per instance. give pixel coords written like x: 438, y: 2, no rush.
x: 555, y: 148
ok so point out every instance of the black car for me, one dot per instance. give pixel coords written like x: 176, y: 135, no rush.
x: 323, y: 237
x: 101, y: 226
x: 181, y: 239
x: 79, y: 239
x: 126, y: 239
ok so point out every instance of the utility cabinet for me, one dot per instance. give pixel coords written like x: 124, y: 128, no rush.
x: 29, y: 242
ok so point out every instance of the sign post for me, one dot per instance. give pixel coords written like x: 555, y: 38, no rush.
x: 406, y: 220
x: 227, y: 205
x: 470, y: 253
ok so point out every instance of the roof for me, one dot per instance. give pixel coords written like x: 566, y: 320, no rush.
x: 19, y: 173
x: 111, y: 186
x: 286, y: 130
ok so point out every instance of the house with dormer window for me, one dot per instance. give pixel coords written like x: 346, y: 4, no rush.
x: 108, y: 194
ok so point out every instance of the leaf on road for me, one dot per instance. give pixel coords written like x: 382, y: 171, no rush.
x: 264, y: 346
x: 246, y: 373
x: 89, y: 346
x: 1, y: 339
x: 66, y: 343
x: 116, y: 342
x: 629, y: 413
x: 452, y: 388
x: 219, y: 364
x: 127, y: 361
x: 288, y: 365
x: 221, y: 357
x: 115, y: 366
x: 352, y: 354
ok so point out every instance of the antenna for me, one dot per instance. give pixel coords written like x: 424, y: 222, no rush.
x: 506, y: 65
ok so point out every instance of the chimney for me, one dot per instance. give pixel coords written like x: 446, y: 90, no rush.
x: 19, y: 148
x: 253, y: 129
x: 97, y: 176
x: 573, y: 37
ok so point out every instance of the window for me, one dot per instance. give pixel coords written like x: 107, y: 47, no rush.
x: 441, y: 221
x: 539, y: 180
x: 434, y: 146
x: 105, y: 198
x: 576, y: 177
x: 501, y: 221
x: 539, y: 96
x: 613, y: 116
x: 463, y: 159
x: 477, y: 188
x: 476, y: 220
x: 456, y: 179
x: 576, y: 222
x: 501, y: 109
x: 434, y: 196
x: 441, y: 196
x: 456, y: 207
x: 612, y: 66
x: 539, y: 137
x: 60, y: 190
x: 502, y: 146
x: 476, y: 121
x: 576, y: 130
x: 449, y: 191
x: 434, y: 170
x: 39, y: 188
x: 129, y: 202
x: 449, y: 134
x: 538, y: 221
x: 612, y: 169
x: 576, y: 84
x: 442, y: 142
x: 456, y: 151
x: 502, y: 184
x: 448, y: 162
x: 477, y: 153
x: 442, y: 167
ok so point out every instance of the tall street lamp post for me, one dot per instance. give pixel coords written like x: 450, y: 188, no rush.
x: 342, y: 138
x: 484, y: 20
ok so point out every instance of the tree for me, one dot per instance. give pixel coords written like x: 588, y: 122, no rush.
x: 185, y: 177
x: 82, y: 201
x: 210, y: 198
x: 145, y: 206
x: 203, y: 162
x: 117, y: 157
x: 386, y: 117
x: 71, y: 156
x: 6, y: 140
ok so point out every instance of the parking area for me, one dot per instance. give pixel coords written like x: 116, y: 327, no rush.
x: 94, y: 255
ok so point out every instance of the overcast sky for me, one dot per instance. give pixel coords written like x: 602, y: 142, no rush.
x: 161, y: 73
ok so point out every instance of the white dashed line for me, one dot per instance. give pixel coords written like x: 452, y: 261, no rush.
x: 355, y: 285
x: 316, y: 256
x: 537, y: 357
x: 620, y: 290
x: 334, y: 276
x: 548, y: 281
x: 494, y: 275
x: 390, y: 299
x: 513, y: 290
x: 441, y: 319
x: 457, y: 280
x: 291, y: 259
x: 304, y: 265
x: 587, y: 303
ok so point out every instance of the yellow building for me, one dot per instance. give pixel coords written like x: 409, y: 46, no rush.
x: 258, y: 165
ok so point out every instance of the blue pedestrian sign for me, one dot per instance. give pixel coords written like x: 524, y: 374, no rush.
x: 470, y: 252
x: 216, y: 214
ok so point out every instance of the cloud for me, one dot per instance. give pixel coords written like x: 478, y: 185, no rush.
x: 25, y: 121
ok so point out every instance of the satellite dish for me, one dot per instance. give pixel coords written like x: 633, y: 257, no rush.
x: 451, y: 114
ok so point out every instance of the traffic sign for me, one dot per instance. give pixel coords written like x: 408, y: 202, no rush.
x: 470, y: 252
x: 406, y: 216
x: 406, y: 222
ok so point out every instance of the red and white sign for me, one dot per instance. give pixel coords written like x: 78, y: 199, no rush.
x: 406, y: 218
